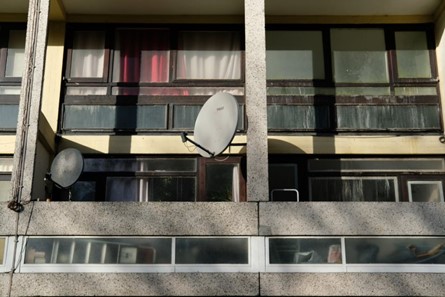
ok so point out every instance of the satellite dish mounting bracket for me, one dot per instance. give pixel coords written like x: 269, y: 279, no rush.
x: 185, y: 139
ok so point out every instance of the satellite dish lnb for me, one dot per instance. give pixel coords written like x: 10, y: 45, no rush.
x: 66, y: 168
x: 215, y: 125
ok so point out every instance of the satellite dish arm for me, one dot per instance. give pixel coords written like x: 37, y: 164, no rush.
x: 185, y: 138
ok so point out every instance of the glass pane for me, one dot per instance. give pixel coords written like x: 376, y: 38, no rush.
x: 353, y: 189
x: 140, y: 165
x: 361, y: 165
x: 362, y: 91
x: 222, y: 182
x: 415, y: 91
x: 425, y: 191
x: 171, y: 189
x: 209, y: 55
x: 114, y: 117
x: 2, y: 249
x: 294, y: 55
x: 300, y: 91
x: 8, y: 116
x: 184, y: 116
x: 141, y: 55
x: 84, y: 91
x: 98, y: 251
x: 10, y: 90
x: 6, y: 164
x: 212, y: 251
x: 15, y: 60
x: 282, y: 179
x: 359, y: 56
x: 5, y: 189
x: 395, y: 250
x: 388, y: 117
x: 413, y: 60
x: 153, y: 189
x: 88, y: 54
x: 304, y: 251
x: 83, y: 191
x: 123, y: 189
x: 297, y: 117
x: 176, y: 91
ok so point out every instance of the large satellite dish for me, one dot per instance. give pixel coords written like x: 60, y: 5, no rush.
x: 215, y: 125
x: 66, y: 168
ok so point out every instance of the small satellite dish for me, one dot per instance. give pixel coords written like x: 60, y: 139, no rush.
x: 216, y: 124
x: 66, y: 168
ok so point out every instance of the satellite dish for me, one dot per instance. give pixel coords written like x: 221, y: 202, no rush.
x: 215, y: 125
x: 66, y: 168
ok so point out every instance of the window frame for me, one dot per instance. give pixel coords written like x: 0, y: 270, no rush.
x: 100, y: 177
x: 111, y: 99
x: 401, y: 173
x: 326, y: 95
x: 9, y: 99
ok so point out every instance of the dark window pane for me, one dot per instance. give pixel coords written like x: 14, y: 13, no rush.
x: 348, y: 189
x: 212, y: 251
x: 297, y: 117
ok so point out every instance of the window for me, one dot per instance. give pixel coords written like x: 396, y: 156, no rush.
x: 12, y: 49
x: 355, y: 254
x: 133, y: 79
x: 141, y: 254
x: 140, y: 179
x: 357, y: 179
x: 5, y: 178
x: 344, y: 78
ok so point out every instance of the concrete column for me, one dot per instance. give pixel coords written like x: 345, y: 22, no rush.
x: 256, y: 101
x: 30, y: 100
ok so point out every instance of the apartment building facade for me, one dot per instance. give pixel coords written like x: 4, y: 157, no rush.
x: 333, y: 184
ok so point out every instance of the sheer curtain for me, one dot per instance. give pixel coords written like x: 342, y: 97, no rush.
x: 209, y: 55
x: 141, y: 56
x: 88, y: 54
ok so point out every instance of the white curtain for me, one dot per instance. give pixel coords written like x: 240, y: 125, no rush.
x: 209, y: 55
x: 88, y: 54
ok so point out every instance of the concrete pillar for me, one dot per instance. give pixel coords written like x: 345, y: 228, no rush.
x: 256, y: 101
x: 30, y: 100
